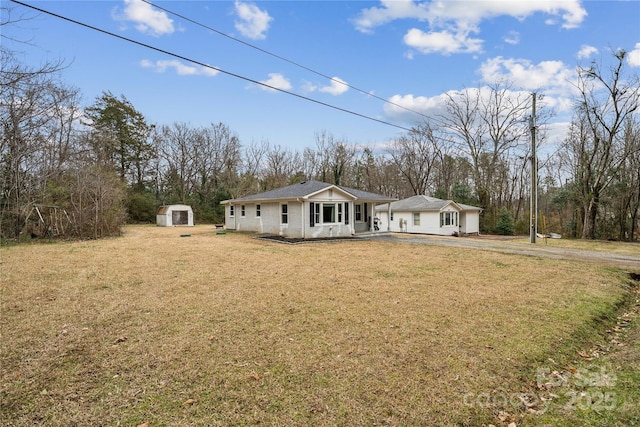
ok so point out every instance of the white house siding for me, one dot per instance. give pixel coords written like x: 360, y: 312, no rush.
x: 229, y: 221
x: 429, y: 223
x: 470, y: 222
x: 269, y: 221
x: 394, y: 226
x: 335, y: 229
x: 265, y: 223
x: 294, y: 226
x: 448, y: 230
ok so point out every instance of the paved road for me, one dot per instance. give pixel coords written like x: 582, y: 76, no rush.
x: 540, y: 249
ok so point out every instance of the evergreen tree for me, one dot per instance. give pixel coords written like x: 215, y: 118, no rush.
x: 504, y: 226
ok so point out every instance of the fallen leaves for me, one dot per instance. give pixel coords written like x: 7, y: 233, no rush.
x: 585, y: 355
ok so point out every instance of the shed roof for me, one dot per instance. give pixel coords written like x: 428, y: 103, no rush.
x: 165, y: 209
x: 305, y: 189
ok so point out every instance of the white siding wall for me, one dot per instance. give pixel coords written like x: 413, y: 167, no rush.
x: 229, y: 221
x: 470, y: 222
x: 429, y: 223
x: 335, y: 229
x: 448, y: 230
x: 294, y: 227
x: 267, y: 223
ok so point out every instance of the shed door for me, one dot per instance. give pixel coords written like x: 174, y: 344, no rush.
x: 180, y: 217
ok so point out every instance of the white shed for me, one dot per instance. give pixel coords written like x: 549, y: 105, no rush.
x: 174, y: 215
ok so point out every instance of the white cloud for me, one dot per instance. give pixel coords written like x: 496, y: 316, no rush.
x: 551, y: 76
x: 442, y: 41
x: 399, y: 105
x: 554, y: 79
x: 633, y: 57
x: 587, y: 51
x: 181, y: 69
x: 147, y: 19
x: 513, y: 37
x: 450, y: 23
x: 337, y: 87
x: 390, y: 11
x: 253, y: 22
x: 309, y: 87
x: 276, y: 80
x: 465, y: 13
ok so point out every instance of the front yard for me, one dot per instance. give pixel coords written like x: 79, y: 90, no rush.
x: 223, y: 329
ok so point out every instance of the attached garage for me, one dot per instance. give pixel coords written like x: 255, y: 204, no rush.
x: 174, y: 215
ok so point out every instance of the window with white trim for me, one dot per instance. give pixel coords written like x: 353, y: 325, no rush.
x: 416, y: 218
x: 358, y: 208
x: 242, y: 211
x: 448, y: 219
x: 257, y: 210
x: 316, y: 213
x: 284, y: 214
x: 232, y: 210
x: 328, y: 213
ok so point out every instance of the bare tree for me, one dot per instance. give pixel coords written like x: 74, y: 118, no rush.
x: 176, y: 148
x: 488, y: 124
x: 252, y: 159
x: 415, y: 156
x: 33, y: 107
x: 280, y: 165
x: 608, y: 98
x: 335, y: 158
x: 624, y: 195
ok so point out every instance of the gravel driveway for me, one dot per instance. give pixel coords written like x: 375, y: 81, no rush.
x: 539, y: 249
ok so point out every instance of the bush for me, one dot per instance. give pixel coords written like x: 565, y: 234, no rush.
x: 141, y: 207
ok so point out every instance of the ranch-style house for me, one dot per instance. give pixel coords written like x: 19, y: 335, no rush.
x: 310, y: 209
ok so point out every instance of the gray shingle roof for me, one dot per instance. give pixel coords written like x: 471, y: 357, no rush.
x: 421, y: 203
x: 469, y: 207
x: 307, y: 188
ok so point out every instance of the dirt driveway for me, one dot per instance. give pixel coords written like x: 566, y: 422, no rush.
x: 505, y: 246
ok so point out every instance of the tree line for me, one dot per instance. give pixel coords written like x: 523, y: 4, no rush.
x: 92, y: 169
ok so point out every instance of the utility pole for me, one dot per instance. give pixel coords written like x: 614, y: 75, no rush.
x: 533, y: 209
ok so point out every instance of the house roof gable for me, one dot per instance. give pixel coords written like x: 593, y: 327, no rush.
x: 307, y: 189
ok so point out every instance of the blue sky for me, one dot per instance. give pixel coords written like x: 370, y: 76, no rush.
x: 409, y: 52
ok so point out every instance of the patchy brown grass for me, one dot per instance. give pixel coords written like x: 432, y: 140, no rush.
x: 228, y: 330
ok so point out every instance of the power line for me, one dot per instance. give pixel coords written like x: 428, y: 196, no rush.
x: 193, y: 61
x: 304, y: 67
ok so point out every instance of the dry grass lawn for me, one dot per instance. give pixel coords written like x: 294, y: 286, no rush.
x: 229, y: 330
x: 621, y: 248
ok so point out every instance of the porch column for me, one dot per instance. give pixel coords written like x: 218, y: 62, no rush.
x: 371, y: 215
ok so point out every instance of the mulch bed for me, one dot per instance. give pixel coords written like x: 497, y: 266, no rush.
x: 298, y: 240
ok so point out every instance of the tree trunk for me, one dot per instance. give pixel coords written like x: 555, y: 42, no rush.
x: 590, y: 215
